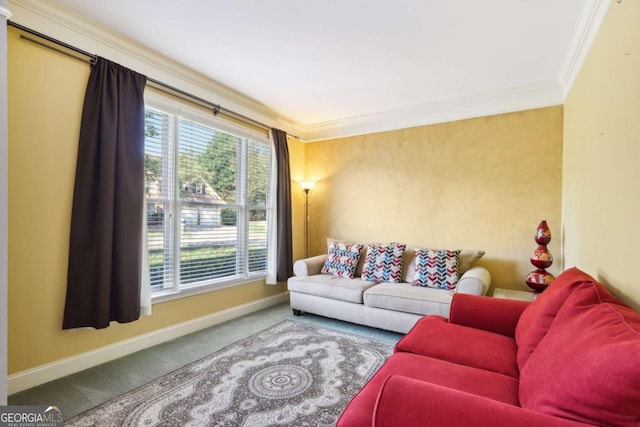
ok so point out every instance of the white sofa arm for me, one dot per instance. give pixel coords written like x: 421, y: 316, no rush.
x: 309, y: 266
x: 474, y: 281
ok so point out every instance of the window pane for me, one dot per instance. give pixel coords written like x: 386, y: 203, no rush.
x: 258, y: 174
x: 208, y: 249
x: 157, y: 190
x: 207, y: 156
x: 257, y: 240
x: 160, y: 254
x: 154, y: 151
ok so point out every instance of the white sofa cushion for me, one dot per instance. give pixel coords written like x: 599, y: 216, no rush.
x: 408, y: 298
x: 325, y: 285
x: 467, y: 259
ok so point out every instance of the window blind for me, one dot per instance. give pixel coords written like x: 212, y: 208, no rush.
x: 207, y: 198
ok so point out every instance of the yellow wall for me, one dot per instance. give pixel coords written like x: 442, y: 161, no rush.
x: 46, y: 92
x: 297, y: 163
x: 481, y: 183
x: 601, y: 172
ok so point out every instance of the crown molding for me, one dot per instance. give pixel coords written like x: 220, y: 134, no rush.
x: 588, y: 29
x: 5, y: 12
x: 498, y: 102
x: 50, y: 19
x: 516, y: 99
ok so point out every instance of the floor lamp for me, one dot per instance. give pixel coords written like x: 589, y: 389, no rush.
x: 306, y: 186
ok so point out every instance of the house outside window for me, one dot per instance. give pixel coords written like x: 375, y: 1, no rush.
x: 207, y: 197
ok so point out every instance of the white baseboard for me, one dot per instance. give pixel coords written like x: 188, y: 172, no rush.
x: 70, y: 365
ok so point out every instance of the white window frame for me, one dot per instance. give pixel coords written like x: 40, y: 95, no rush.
x: 179, y: 111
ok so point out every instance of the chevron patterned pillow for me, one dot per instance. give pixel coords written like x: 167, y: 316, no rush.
x: 436, y: 268
x: 384, y: 263
x: 342, y: 259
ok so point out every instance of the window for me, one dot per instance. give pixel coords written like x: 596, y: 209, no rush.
x: 207, y: 194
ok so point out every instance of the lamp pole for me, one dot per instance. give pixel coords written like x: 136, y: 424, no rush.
x: 306, y: 186
x: 306, y: 222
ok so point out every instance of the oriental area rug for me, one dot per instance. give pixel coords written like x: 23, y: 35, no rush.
x: 292, y: 374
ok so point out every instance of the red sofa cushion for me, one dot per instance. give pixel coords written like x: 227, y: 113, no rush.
x: 434, y: 336
x: 536, y: 319
x: 359, y: 411
x: 499, y: 315
x: 587, y: 367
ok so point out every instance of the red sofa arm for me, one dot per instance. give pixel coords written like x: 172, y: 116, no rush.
x: 497, y: 315
x: 408, y: 402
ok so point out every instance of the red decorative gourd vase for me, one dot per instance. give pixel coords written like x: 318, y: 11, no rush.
x: 539, y: 279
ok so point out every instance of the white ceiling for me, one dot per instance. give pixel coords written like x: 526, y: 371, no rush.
x: 328, y: 62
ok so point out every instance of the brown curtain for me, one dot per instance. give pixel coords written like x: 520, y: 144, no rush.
x: 103, y: 280
x: 285, y: 245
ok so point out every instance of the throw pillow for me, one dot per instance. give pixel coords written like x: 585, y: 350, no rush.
x: 586, y: 367
x: 342, y: 259
x: 467, y: 259
x: 436, y: 268
x: 384, y: 263
x: 362, y: 251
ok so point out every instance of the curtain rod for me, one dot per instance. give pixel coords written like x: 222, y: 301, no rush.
x: 168, y: 89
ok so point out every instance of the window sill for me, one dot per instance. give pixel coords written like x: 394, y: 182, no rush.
x: 169, y: 295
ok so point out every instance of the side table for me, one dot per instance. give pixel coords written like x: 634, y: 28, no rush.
x: 513, y: 294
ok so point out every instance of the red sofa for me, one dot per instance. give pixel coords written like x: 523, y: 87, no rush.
x: 571, y: 357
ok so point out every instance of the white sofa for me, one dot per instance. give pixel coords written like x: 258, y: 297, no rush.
x: 390, y: 306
